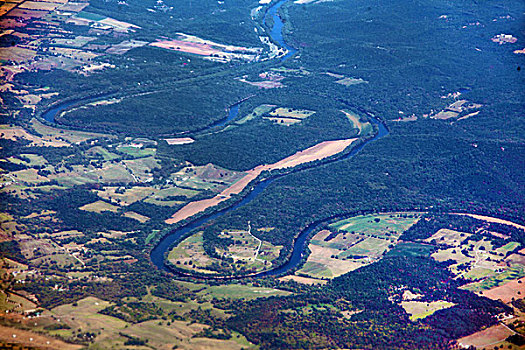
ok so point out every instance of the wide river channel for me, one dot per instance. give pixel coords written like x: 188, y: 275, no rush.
x: 158, y: 254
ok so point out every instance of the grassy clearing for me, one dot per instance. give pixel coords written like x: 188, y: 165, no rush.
x: 125, y: 196
x: 354, y: 242
x: 137, y: 152
x: 142, y: 167
x: 136, y: 216
x: 248, y: 253
x: 288, y: 116
x: 101, y: 152
x: 421, y: 309
x: 257, y: 112
x: 239, y: 291
x: 190, y: 254
x: 448, y: 237
x: 380, y: 225
x: 71, y: 136
x: 496, y: 280
x: 475, y: 260
x: 99, y: 206
x: 206, y: 177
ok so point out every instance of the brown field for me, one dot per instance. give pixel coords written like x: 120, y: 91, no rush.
x: 136, y: 216
x: 510, y: 290
x: 265, y: 84
x: 304, y: 280
x: 320, y: 151
x: 488, y: 337
x: 448, y: 237
x: 125, y: 46
x: 179, y: 141
x: 198, y: 46
x: 27, y: 14
x: 31, y: 339
x: 6, y: 7
x: 16, y: 54
x: 129, y: 196
x: 40, y: 5
x: 492, y: 219
x: 13, y: 133
x: 52, y: 134
x: 73, y: 6
x: 356, y: 121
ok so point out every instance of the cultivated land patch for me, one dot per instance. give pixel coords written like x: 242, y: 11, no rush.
x: 507, y: 292
x: 99, y: 207
x: 354, y: 242
x: 239, y: 291
x: 247, y: 252
x: 320, y: 151
x: 422, y: 309
x: 363, y: 126
x: 288, y: 116
x: 209, y: 49
x: 487, y: 338
x: 32, y: 339
x: 190, y: 255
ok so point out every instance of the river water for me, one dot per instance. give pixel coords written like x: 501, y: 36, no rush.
x: 159, y: 252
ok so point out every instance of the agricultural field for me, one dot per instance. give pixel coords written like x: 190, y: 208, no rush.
x: 247, y: 253
x: 190, y: 255
x: 421, y: 309
x: 288, y: 116
x: 238, y: 291
x: 477, y: 261
x: 355, y: 242
x: 364, y: 127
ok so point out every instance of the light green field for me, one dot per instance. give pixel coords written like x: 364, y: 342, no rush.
x: 191, y: 251
x: 106, y: 155
x: 206, y: 177
x: 248, y: 253
x: 71, y: 136
x: 256, y: 113
x: 420, y: 309
x: 137, y: 152
x: 389, y: 225
x: 512, y: 273
x: 354, y: 242
x: 136, y: 216
x: 34, y: 159
x: 128, y: 196
x: 239, y: 291
x: 99, y: 207
x: 142, y: 167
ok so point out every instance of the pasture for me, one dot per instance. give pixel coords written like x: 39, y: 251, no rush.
x: 99, y: 207
x: 354, y: 242
x: 421, y: 309
x: 378, y: 225
x: 190, y: 254
x: 240, y: 291
x: 125, y: 196
x: 288, y: 116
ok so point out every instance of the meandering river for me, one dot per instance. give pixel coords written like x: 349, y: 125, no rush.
x: 158, y: 254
